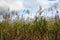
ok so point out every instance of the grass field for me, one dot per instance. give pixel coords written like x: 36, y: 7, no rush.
x: 35, y: 30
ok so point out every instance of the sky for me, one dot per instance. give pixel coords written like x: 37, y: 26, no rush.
x: 21, y: 4
x: 32, y: 5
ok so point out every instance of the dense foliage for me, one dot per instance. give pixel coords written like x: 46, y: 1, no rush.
x: 36, y: 30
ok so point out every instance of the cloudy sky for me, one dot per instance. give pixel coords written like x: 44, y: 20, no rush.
x: 32, y: 5
x: 21, y: 4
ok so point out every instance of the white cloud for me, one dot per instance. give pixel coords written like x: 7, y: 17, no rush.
x: 33, y: 4
x: 20, y: 4
x: 46, y: 3
x: 12, y: 4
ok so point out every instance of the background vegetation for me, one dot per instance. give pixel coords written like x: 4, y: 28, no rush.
x: 35, y: 30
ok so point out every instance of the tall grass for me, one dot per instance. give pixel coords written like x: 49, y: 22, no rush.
x: 36, y: 30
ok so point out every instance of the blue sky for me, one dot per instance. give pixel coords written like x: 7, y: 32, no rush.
x: 32, y: 5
